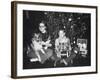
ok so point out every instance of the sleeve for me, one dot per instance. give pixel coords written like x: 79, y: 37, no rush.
x: 69, y: 44
x: 56, y: 44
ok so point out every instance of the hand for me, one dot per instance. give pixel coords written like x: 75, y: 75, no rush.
x: 48, y: 45
x: 48, y: 41
x: 58, y: 55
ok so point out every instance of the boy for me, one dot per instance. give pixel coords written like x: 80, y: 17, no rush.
x: 62, y: 46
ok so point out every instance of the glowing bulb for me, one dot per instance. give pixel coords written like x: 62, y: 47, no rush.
x: 70, y: 19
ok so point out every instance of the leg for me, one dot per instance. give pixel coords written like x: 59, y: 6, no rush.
x: 43, y: 51
x: 38, y: 55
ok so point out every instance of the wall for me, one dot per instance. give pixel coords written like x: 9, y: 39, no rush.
x: 5, y: 40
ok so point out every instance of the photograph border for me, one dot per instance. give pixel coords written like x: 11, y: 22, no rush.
x: 14, y: 37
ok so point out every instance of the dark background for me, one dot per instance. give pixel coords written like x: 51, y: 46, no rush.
x: 76, y: 25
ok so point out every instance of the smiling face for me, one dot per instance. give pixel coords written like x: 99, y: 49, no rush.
x: 61, y: 33
x: 42, y: 27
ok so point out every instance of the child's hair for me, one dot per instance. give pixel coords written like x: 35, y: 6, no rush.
x: 42, y: 24
x: 61, y: 30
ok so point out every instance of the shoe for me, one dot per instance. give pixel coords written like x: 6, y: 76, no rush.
x: 34, y: 60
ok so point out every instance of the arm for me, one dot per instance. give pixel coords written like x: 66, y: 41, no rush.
x: 56, y: 44
x: 68, y: 44
x: 57, y: 48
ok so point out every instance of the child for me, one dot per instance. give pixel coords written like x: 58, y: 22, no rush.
x: 41, y: 44
x: 62, y: 46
